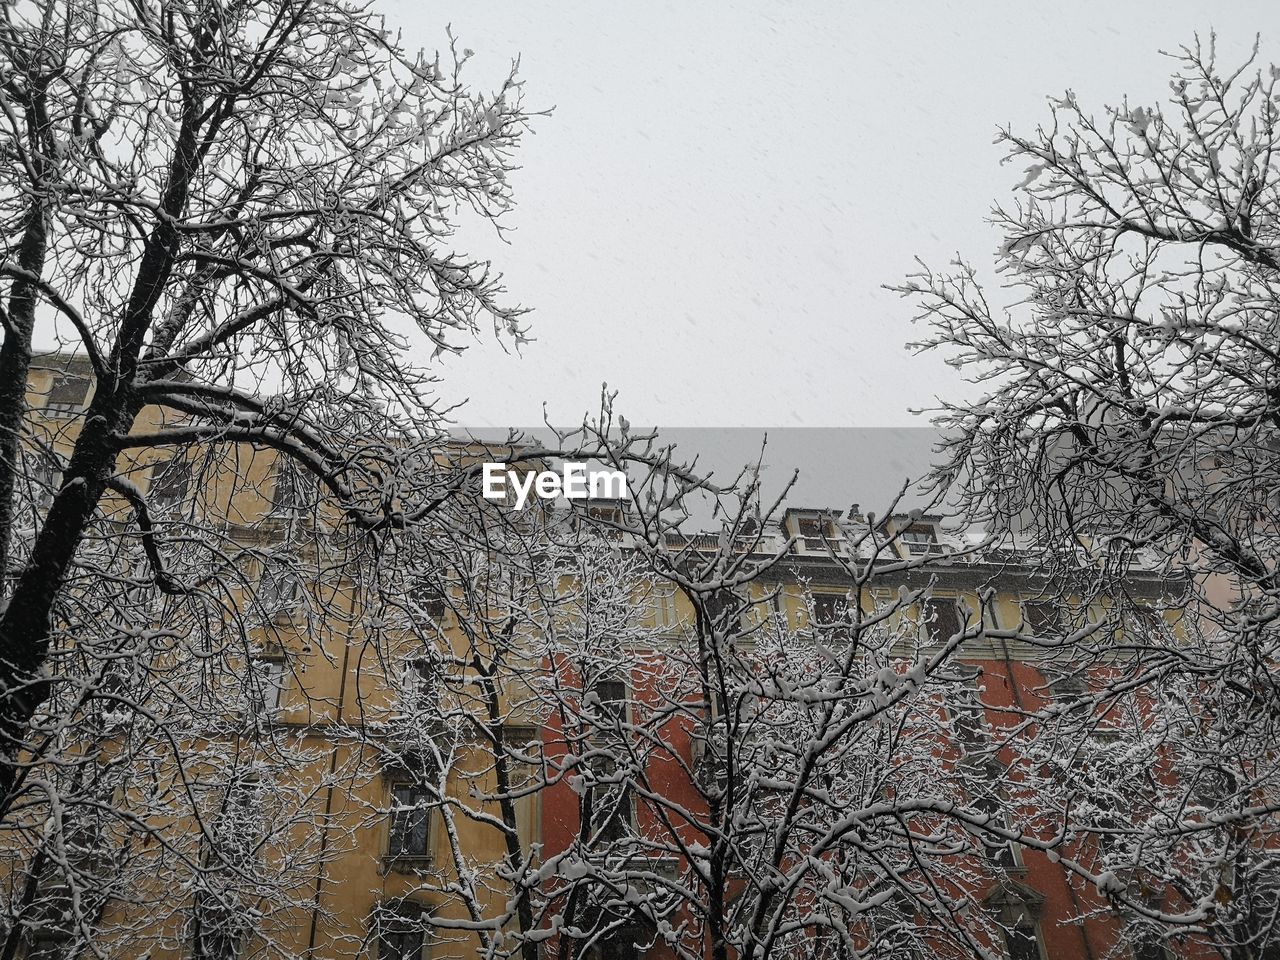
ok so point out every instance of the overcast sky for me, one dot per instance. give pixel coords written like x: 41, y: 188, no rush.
x: 706, y: 219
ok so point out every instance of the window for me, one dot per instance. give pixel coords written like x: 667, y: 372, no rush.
x: 1023, y: 941
x: 725, y: 611
x: 401, y: 932
x: 1110, y: 793
x: 67, y: 395
x: 170, y: 482
x: 1142, y: 622
x: 734, y: 727
x: 279, y: 588
x: 1067, y: 686
x: 969, y: 724
x: 48, y: 945
x: 428, y: 596
x: 297, y: 489
x: 602, y: 516
x: 967, y: 715
x: 1041, y: 618
x: 112, y: 707
x: 620, y: 944
x: 87, y: 847
x: 611, y: 803
x: 1001, y: 853
x: 1150, y: 948
x: 418, y: 684
x: 920, y: 540
x: 666, y: 610
x: 45, y: 480
x: 612, y: 694
x: 831, y: 614
x: 1215, y: 787
x: 610, y: 797
x: 523, y: 750
x: 521, y: 739
x: 217, y: 932
x: 940, y: 617
x: 266, y: 680
x: 817, y: 534
x: 401, y: 944
x: 708, y: 759
x: 1017, y: 908
x: 410, y: 817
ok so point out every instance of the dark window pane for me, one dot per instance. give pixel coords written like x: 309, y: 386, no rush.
x: 1041, y: 618
x: 613, y: 698
x: 400, y: 944
x: 217, y: 944
x: 1154, y: 950
x: 297, y: 488
x: 619, y: 945
x: 720, y: 607
x: 217, y: 934
x: 266, y: 681
x: 942, y: 619
x: 831, y: 611
x: 410, y: 812
x: 170, y: 482
x: 49, y: 948
x: 1022, y: 943
x: 999, y: 851
x: 920, y: 540
x: 610, y: 800
x: 426, y: 594
x: 418, y: 685
x: 67, y: 395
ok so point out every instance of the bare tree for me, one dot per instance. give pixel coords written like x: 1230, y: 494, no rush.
x: 233, y: 223
x: 235, y: 212
x: 1129, y: 419
x: 729, y: 783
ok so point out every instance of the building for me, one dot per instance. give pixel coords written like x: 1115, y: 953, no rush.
x: 337, y: 753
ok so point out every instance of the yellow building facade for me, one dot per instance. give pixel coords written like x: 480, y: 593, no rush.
x: 305, y: 763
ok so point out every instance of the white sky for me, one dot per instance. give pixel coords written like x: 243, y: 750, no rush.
x: 707, y: 217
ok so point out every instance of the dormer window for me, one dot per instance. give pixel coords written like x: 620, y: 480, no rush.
x: 605, y: 517
x: 67, y: 395
x: 920, y: 540
x: 815, y: 533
